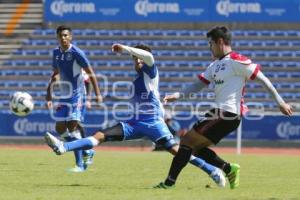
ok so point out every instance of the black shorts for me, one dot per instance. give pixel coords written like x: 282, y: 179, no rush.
x: 217, y: 124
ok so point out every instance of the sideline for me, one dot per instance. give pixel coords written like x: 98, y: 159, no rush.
x: 226, y: 150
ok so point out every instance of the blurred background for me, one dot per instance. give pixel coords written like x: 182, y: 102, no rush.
x: 267, y: 31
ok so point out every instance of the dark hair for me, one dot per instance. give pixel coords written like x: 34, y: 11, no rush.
x: 144, y: 47
x: 62, y: 28
x: 219, y: 32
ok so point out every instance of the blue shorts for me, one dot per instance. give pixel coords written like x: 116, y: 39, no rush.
x: 70, y: 109
x: 155, y: 130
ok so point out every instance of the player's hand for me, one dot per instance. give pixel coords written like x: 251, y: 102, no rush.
x: 99, y: 99
x: 171, y: 97
x: 88, y: 104
x: 49, y: 104
x: 117, y: 48
x: 286, y: 109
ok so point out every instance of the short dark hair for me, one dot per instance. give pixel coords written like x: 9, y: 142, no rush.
x: 62, y: 28
x: 144, y: 47
x: 220, y: 32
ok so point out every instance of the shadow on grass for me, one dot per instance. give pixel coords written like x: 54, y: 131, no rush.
x: 64, y: 185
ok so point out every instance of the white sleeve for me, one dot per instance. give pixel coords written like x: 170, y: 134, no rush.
x: 146, y: 56
x: 206, y: 76
x: 269, y: 86
x: 249, y: 71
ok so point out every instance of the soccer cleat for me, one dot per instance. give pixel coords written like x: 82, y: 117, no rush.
x: 55, y: 144
x: 88, y: 158
x: 234, y: 175
x: 76, y: 169
x: 162, y: 185
x: 218, y: 177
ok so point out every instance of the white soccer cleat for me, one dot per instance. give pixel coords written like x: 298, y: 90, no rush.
x: 88, y: 158
x: 76, y: 169
x: 55, y: 144
x: 218, y: 177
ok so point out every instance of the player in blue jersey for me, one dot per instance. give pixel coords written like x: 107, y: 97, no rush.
x: 146, y: 120
x: 68, y: 63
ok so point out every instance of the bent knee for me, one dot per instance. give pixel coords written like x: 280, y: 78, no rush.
x: 99, y: 136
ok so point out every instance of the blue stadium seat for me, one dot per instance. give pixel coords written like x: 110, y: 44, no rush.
x: 198, y: 33
x: 239, y: 33
x: 270, y: 43
x: 279, y: 33
x: 266, y: 33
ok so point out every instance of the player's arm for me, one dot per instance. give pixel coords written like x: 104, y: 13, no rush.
x: 203, y: 80
x: 285, y: 108
x: 186, y: 92
x: 90, y: 72
x: 88, y: 87
x: 243, y: 66
x: 54, y: 78
x: 146, y: 56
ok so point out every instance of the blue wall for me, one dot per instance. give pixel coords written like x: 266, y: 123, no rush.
x: 172, y: 10
x: 36, y: 124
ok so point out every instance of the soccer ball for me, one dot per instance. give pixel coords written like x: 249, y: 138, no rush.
x: 21, y: 103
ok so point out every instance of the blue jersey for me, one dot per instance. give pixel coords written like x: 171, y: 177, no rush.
x: 146, y: 99
x: 69, y: 63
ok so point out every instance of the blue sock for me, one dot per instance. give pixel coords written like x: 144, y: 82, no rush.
x: 77, y: 153
x: 85, y: 143
x: 198, y: 162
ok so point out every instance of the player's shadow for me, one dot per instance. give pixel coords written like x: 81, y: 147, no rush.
x: 65, y: 185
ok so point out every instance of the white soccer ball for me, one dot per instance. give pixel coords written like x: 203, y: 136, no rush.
x: 21, y: 103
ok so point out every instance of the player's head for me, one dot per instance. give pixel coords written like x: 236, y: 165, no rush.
x: 64, y: 36
x: 219, y: 39
x: 138, y: 62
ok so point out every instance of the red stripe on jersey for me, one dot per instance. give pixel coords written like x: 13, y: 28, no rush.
x: 244, y: 108
x: 240, y: 58
x: 254, y: 74
x: 204, y: 80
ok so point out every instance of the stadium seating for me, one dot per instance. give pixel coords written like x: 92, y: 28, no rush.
x: 180, y: 55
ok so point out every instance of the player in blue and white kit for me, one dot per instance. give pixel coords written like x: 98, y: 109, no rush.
x: 68, y: 63
x: 147, y: 119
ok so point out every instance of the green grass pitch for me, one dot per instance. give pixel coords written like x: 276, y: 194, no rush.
x: 41, y: 175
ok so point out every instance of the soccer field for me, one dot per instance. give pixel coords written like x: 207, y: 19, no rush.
x: 41, y: 175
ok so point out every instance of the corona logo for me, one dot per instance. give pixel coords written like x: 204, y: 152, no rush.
x: 225, y: 7
x: 144, y: 7
x: 61, y: 7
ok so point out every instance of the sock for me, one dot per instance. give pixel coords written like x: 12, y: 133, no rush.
x: 198, y: 162
x: 212, y: 158
x: 85, y: 143
x: 74, y: 136
x: 179, y: 162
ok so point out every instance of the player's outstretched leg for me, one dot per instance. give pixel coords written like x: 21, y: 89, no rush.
x: 55, y: 144
x: 60, y: 147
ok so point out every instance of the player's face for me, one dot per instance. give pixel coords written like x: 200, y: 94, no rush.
x: 64, y: 38
x: 215, y: 48
x: 138, y: 63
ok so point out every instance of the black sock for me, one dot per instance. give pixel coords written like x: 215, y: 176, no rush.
x: 212, y: 158
x: 178, y: 163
